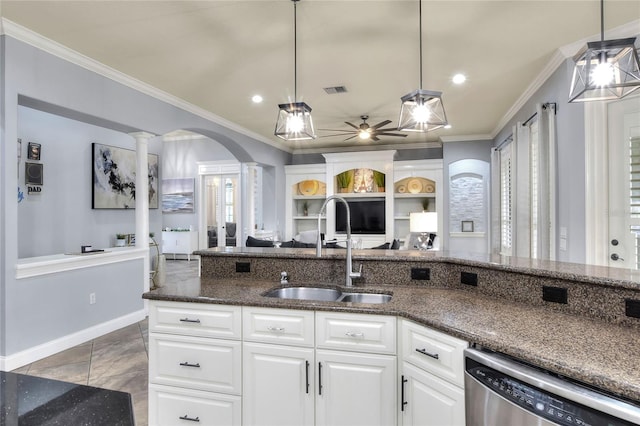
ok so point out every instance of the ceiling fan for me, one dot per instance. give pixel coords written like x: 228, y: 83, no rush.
x: 365, y: 132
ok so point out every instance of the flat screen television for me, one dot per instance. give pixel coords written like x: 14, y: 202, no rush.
x: 367, y: 217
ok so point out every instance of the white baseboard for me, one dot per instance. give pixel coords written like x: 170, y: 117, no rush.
x: 27, y: 356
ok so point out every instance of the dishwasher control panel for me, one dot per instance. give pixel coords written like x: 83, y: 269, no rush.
x: 543, y: 404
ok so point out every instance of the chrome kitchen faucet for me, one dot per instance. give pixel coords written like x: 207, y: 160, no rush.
x: 349, y: 273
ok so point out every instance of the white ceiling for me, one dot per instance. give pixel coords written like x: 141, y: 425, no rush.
x: 218, y: 54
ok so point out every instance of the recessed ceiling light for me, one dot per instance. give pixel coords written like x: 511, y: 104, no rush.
x: 256, y: 99
x: 459, y: 79
x: 448, y: 126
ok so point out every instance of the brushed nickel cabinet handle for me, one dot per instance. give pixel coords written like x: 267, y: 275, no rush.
x: 424, y: 352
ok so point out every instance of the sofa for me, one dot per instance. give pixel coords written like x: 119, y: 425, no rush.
x: 230, y: 237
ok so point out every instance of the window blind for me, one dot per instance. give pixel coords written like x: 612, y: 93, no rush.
x: 634, y: 176
x: 506, y: 213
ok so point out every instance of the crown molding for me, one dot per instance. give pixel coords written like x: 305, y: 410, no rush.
x: 629, y: 29
x: 45, y: 44
x: 556, y: 60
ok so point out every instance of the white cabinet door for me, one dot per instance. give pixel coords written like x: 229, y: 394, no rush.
x: 355, y: 389
x: 278, y: 385
x: 430, y: 401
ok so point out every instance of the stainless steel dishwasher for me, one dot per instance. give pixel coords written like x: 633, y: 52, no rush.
x: 500, y: 391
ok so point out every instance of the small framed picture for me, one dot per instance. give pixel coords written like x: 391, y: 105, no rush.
x: 33, y: 173
x: 467, y: 226
x: 131, y: 239
x: 33, y: 151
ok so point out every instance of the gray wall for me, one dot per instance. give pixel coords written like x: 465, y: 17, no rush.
x: 571, y: 178
x: 60, y: 218
x: 38, y: 75
x: 401, y: 155
x: 179, y: 160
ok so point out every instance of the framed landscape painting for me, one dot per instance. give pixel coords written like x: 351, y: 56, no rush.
x: 178, y: 195
x: 114, y: 178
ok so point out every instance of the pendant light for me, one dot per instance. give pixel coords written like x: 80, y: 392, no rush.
x: 294, y: 119
x: 605, y: 69
x: 422, y: 110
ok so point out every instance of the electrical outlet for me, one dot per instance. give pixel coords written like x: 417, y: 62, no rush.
x: 555, y: 294
x: 469, y: 278
x: 92, y: 298
x: 420, y: 273
x: 243, y: 267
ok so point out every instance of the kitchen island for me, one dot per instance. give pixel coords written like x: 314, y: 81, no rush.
x: 582, y: 331
x: 29, y: 400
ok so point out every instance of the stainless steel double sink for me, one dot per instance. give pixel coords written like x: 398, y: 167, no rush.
x: 325, y: 294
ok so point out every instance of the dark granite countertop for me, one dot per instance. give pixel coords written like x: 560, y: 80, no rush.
x: 600, y: 275
x: 28, y: 400
x: 601, y: 354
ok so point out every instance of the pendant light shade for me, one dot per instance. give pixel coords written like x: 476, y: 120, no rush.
x: 421, y: 110
x: 605, y: 69
x: 294, y: 119
x: 294, y: 122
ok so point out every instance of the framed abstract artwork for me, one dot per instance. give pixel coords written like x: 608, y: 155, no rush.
x: 114, y: 178
x: 178, y: 195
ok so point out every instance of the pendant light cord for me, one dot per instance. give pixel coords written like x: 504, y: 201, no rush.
x: 601, y: 20
x: 295, y: 50
x: 420, y: 31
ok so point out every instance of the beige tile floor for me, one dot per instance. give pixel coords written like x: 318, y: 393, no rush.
x: 116, y: 361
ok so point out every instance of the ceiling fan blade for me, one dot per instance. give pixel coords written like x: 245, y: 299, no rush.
x: 354, y: 136
x: 352, y: 125
x: 341, y: 130
x: 402, y: 135
x: 374, y: 138
x: 336, y: 134
x: 381, y: 124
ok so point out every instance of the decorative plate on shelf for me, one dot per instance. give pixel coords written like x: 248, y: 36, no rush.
x: 429, y: 188
x: 401, y: 189
x: 414, y: 186
x: 308, y: 187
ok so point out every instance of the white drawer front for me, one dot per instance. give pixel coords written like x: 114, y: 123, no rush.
x: 175, y: 406
x: 196, y: 363
x: 195, y: 319
x: 356, y: 332
x: 433, y: 351
x: 282, y: 326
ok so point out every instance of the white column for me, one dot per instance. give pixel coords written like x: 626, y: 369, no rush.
x: 142, y: 197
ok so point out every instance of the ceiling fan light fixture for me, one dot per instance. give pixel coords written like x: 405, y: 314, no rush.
x: 364, y: 134
x: 422, y: 111
x: 605, y: 69
x: 294, y: 122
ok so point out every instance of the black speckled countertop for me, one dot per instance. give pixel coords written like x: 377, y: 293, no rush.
x: 588, y: 350
x: 28, y: 400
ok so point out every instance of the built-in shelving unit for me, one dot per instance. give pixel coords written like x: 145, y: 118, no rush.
x: 406, y: 187
x: 306, y: 185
